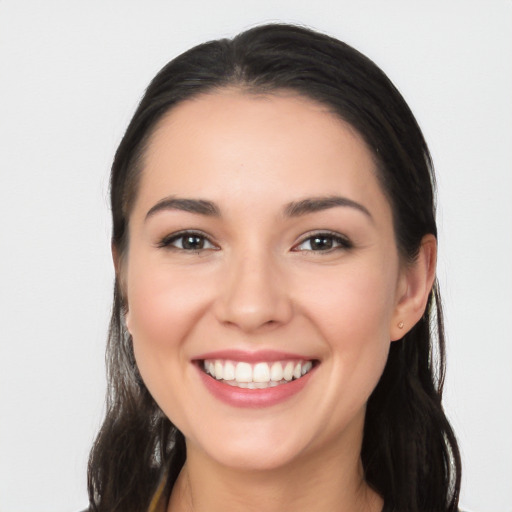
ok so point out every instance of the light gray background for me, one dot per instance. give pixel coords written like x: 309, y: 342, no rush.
x: 71, y: 74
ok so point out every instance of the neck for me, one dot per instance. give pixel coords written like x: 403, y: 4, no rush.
x: 330, y: 481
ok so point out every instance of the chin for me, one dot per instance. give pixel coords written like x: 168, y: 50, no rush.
x: 248, y: 446
x: 254, y: 459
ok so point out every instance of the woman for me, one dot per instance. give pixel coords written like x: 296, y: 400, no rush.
x: 276, y: 316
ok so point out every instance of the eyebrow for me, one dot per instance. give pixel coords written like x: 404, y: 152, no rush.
x: 199, y: 206
x: 316, y: 204
x: 293, y: 209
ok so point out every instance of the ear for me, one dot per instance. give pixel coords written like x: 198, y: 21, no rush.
x: 116, y: 258
x: 414, y: 288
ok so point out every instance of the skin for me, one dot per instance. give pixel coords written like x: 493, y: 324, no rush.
x: 258, y: 284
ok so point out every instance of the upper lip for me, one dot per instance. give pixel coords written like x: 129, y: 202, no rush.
x: 252, y: 357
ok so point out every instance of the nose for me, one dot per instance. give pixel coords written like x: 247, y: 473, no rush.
x: 254, y: 294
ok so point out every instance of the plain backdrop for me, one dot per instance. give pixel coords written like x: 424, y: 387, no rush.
x: 71, y: 74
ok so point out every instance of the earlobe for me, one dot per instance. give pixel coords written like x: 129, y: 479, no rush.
x: 418, y: 279
x: 115, y: 258
x: 126, y: 317
x: 127, y: 322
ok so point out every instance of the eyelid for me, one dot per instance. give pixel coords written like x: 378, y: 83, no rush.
x: 167, y: 241
x: 344, y: 243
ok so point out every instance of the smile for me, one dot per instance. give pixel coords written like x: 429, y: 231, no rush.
x: 259, y: 375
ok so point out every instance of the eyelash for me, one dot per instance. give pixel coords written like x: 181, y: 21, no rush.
x: 342, y: 242
x: 168, y: 241
x: 336, y: 241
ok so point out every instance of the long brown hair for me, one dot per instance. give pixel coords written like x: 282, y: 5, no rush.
x: 409, y: 453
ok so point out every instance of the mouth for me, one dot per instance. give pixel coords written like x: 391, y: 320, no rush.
x: 259, y: 375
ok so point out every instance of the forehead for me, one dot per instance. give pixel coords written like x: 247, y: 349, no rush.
x: 279, y: 146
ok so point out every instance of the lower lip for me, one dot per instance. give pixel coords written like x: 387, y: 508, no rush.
x: 255, y: 398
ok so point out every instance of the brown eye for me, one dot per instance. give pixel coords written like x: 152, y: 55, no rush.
x: 187, y: 241
x: 192, y: 242
x: 323, y: 242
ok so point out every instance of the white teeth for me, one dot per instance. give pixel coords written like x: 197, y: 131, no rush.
x: 258, y: 376
x: 306, y: 367
x: 261, y: 373
x: 276, y: 372
x: 243, y: 372
x: 229, y: 371
x: 218, y: 370
x: 288, y: 371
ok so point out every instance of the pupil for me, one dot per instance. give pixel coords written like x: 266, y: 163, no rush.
x: 321, y: 243
x: 193, y: 242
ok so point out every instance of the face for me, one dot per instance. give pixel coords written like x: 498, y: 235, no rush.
x: 262, y: 278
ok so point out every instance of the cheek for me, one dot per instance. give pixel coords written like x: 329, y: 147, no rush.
x: 354, y: 305
x: 161, y: 303
x: 353, y: 315
x: 163, y: 308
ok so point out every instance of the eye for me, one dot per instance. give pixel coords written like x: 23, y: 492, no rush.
x: 187, y: 241
x: 323, y: 242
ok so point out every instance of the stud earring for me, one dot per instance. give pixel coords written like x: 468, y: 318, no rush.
x: 400, y: 325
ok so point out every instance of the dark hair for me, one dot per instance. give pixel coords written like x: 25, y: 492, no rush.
x: 409, y: 452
